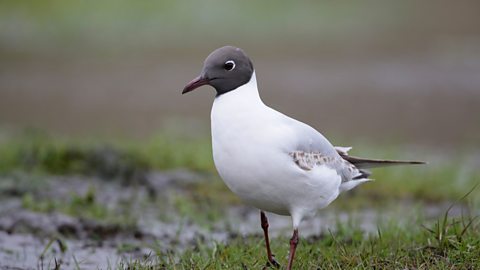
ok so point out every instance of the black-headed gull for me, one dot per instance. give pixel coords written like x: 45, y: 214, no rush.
x: 270, y: 160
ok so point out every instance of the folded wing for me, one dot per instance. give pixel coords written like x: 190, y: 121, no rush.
x: 351, y: 175
x: 366, y: 163
x: 351, y: 169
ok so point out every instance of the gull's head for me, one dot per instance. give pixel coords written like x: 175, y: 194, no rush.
x: 225, y: 69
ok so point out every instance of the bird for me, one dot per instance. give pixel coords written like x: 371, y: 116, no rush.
x: 271, y: 161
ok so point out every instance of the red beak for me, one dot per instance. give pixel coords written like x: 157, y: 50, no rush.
x: 195, y: 83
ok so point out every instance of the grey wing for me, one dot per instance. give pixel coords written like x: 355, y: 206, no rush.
x: 309, y: 160
x: 351, y: 175
x: 312, y: 149
x: 310, y: 140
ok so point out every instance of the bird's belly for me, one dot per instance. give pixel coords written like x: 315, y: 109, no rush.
x: 273, y: 183
x: 251, y: 181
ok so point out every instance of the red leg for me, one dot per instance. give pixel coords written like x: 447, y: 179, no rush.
x: 264, y: 223
x: 293, y: 247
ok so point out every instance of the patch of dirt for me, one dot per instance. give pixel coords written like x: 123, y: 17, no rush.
x: 40, y: 239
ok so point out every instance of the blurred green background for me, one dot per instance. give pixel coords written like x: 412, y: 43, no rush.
x: 392, y: 71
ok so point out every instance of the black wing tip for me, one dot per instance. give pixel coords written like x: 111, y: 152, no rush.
x: 397, y: 162
x: 365, y: 163
x: 417, y: 162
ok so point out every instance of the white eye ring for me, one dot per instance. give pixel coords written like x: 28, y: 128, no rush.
x: 229, y: 65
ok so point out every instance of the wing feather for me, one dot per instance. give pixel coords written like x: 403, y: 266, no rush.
x: 365, y: 163
x: 309, y: 160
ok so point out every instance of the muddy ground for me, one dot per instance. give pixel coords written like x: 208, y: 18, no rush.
x: 146, y: 219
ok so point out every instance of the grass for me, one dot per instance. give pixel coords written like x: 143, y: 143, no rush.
x: 37, y: 153
x: 450, y: 243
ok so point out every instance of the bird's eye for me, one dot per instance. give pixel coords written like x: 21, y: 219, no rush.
x: 229, y: 65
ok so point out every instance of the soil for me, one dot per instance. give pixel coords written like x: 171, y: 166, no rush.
x: 41, y: 239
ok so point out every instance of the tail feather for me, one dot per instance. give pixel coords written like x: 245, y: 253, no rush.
x: 366, y: 163
x: 363, y: 174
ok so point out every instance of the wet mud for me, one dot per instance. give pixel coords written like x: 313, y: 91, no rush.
x: 141, y: 220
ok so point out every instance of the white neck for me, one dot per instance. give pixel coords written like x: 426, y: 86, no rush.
x: 243, y: 96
